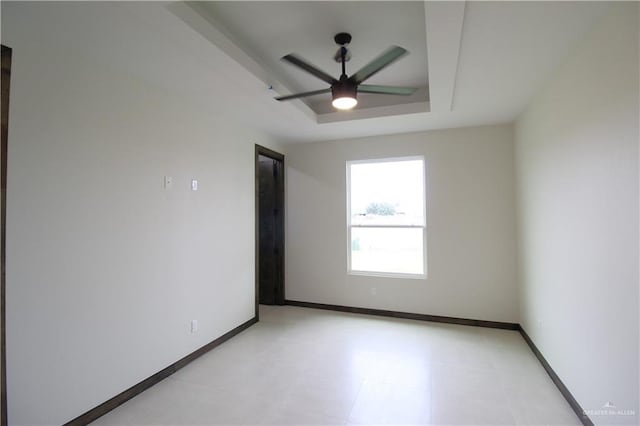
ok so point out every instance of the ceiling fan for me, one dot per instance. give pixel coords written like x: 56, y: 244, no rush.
x: 344, y: 90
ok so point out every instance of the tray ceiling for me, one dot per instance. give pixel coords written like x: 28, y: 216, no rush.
x: 266, y: 31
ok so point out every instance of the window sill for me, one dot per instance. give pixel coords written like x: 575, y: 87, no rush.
x: 388, y: 275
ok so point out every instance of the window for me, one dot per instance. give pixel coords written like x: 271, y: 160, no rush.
x: 386, y: 217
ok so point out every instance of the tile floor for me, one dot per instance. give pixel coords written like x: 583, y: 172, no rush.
x: 301, y: 366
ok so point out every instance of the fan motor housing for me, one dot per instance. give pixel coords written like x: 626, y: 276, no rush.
x: 344, y: 89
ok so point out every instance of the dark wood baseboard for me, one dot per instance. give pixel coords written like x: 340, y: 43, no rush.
x: 586, y: 421
x: 406, y: 315
x: 126, y: 395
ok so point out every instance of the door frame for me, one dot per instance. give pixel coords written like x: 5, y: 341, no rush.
x: 266, y: 152
x: 6, y: 71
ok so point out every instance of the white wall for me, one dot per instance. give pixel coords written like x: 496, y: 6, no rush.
x: 577, y: 173
x: 470, y: 225
x: 105, y: 268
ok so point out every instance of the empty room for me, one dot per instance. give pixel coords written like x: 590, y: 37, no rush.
x: 320, y: 213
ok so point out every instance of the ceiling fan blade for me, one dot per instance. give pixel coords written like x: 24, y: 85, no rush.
x: 382, y: 61
x: 386, y: 90
x: 301, y: 63
x: 302, y: 95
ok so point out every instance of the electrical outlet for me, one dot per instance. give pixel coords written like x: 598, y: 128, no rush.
x: 168, y: 182
x: 194, y: 326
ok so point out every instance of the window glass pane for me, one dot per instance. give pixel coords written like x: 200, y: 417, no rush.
x: 387, y: 193
x: 393, y: 250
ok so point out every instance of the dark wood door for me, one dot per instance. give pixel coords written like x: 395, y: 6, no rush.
x: 270, y: 229
x: 6, y: 75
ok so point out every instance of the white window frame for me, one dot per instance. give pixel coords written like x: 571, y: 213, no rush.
x: 350, y: 271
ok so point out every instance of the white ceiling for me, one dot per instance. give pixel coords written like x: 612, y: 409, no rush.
x: 485, y: 59
x: 509, y: 48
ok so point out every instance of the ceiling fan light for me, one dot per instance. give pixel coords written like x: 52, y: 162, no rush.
x: 345, y: 102
x: 344, y: 94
